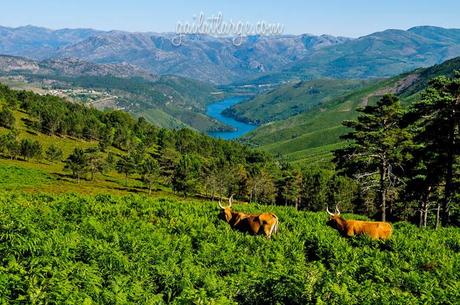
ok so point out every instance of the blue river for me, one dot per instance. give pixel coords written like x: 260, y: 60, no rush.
x: 215, y: 110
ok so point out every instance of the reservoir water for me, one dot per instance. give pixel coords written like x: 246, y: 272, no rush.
x: 215, y: 110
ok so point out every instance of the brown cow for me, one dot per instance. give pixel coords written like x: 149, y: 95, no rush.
x: 264, y: 223
x: 374, y: 229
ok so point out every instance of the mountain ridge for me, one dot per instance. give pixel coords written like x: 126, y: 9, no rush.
x: 208, y: 58
x: 258, y: 60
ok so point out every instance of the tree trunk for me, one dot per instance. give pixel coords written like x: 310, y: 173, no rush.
x: 426, y: 201
x: 425, y: 216
x: 448, y: 190
x: 424, y: 205
x: 420, y: 218
x: 438, y: 212
x: 382, y: 190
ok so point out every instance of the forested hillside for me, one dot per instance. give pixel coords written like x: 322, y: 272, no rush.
x: 168, y: 101
x: 69, y: 146
x: 289, y: 100
x: 311, y: 136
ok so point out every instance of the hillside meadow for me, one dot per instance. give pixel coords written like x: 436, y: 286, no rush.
x: 107, y: 249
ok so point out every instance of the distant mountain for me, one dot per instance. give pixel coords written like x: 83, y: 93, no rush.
x: 71, y: 67
x: 200, y: 57
x: 381, y: 54
x: 37, y: 42
x: 258, y: 60
x: 309, y: 137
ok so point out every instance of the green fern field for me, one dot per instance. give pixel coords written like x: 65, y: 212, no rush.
x: 103, y: 249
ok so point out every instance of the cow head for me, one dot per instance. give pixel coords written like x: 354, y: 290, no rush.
x: 335, y: 220
x: 226, y: 213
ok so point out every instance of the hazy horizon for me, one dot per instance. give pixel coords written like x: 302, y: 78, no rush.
x: 172, y: 32
x: 350, y: 19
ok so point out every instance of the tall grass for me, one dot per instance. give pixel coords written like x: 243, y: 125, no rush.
x: 106, y: 249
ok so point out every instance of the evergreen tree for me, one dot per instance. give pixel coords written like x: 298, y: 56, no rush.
x: 106, y: 138
x: 186, y: 175
x: 30, y: 149
x: 127, y: 166
x: 341, y: 191
x: 110, y: 162
x: 95, y: 161
x: 53, y: 153
x: 10, y: 144
x: 313, y: 190
x: 7, y: 119
x: 289, y: 186
x: 150, y: 170
x: 375, y: 151
x: 435, y: 121
x: 77, y: 163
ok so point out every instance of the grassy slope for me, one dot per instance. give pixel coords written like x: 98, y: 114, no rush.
x: 315, y: 131
x: 108, y: 249
x: 41, y: 175
x: 292, y: 99
x: 318, y: 130
x: 161, y: 118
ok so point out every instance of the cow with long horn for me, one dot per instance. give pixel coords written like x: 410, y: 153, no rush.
x: 264, y: 223
x: 348, y: 228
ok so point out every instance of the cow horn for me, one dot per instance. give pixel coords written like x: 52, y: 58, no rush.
x: 220, y: 204
x: 327, y: 210
x: 230, y: 201
x: 337, y: 209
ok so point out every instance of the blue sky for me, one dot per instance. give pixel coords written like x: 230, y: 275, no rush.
x: 351, y: 18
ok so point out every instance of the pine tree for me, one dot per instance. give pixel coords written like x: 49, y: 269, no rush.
x: 53, y: 153
x: 435, y: 121
x: 77, y: 163
x: 95, y: 161
x: 375, y: 150
x: 10, y: 144
x: 150, y: 170
x: 126, y: 165
x: 313, y: 190
x: 186, y: 174
x: 289, y: 185
x: 30, y: 149
x: 7, y: 119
